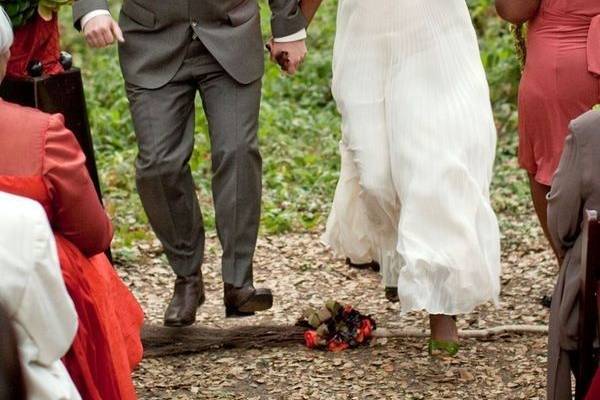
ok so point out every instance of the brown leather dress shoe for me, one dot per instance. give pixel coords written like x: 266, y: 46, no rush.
x: 187, y: 297
x: 245, y: 301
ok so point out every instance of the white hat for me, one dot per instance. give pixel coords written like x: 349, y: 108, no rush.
x: 6, y: 32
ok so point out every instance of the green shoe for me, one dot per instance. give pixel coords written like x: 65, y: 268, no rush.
x: 449, y: 347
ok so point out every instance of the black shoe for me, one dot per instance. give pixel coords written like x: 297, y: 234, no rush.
x: 187, y: 297
x: 373, y: 265
x: 546, y: 301
x: 245, y: 301
x: 391, y: 293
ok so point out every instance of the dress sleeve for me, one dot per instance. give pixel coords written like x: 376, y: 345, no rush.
x: 46, y: 311
x: 78, y: 214
x: 565, y: 199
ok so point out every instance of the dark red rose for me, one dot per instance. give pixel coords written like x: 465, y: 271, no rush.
x: 311, y: 338
x: 366, y: 328
x: 360, y: 336
x: 336, y: 346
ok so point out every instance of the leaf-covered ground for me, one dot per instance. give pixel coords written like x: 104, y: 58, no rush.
x: 303, y: 273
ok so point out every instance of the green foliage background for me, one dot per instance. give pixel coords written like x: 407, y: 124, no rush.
x: 300, y: 130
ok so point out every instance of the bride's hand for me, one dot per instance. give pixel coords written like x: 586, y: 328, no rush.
x: 280, y: 59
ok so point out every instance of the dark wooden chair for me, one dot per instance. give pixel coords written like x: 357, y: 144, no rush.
x: 589, y: 306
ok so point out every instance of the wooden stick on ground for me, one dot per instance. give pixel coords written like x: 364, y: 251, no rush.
x: 467, y: 334
x: 160, y: 341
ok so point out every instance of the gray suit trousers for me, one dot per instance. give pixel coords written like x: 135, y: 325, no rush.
x: 164, y: 125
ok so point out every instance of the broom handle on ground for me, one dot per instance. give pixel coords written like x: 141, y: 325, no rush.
x: 467, y: 334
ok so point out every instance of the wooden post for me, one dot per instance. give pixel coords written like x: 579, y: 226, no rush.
x: 588, y: 305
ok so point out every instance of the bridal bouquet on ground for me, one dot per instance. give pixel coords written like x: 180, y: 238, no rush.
x: 335, y: 327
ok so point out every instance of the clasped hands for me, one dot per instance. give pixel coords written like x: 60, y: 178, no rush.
x: 289, y: 55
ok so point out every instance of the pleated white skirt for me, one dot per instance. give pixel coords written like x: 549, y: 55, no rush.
x: 418, y: 146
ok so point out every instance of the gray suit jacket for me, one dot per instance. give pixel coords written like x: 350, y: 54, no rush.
x: 575, y: 188
x: 157, y: 34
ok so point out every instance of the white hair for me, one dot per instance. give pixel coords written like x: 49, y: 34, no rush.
x: 6, y: 32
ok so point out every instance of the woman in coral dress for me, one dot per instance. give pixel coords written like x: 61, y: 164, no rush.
x: 40, y: 159
x: 560, y: 81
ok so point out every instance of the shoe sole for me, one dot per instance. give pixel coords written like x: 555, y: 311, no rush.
x: 182, y: 324
x: 258, y: 302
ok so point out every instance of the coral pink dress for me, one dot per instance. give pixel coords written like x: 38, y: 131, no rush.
x: 40, y: 159
x: 560, y: 81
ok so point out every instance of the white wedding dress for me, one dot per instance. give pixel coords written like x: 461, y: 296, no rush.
x: 418, y: 146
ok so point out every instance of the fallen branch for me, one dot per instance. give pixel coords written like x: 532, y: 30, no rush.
x: 160, y: 341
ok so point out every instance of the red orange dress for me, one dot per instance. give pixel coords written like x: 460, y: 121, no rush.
x: 594, y: 390
x: 560, y: 81
x: 40, y: 159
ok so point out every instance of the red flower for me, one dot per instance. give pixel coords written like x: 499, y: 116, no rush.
x: 311, y: 338
x: 337, y: 346
x: 360, y: 336
x: 366, y: 328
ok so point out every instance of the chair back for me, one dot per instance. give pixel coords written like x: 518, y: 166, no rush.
x: 589, y: 303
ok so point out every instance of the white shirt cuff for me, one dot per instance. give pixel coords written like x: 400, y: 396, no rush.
x: 87, y: 17
x: 300, y: 35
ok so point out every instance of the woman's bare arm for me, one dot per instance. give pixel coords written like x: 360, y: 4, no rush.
x: 309, y: 8
x: 517, y: 11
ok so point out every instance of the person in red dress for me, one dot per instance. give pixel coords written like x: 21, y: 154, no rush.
x: 41, y: 159
x: 560, y: 81
x: 594, y: 390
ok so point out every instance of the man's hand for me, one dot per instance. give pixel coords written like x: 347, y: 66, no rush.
x: 289, y: 54
x: 102, y: 31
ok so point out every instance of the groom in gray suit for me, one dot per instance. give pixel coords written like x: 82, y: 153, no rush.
x: 168, y: 51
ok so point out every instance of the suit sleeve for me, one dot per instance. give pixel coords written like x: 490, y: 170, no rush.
x: 287, y: 18
x: 83, y: 7
x: 565, y: 200
x: 78, y: 214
